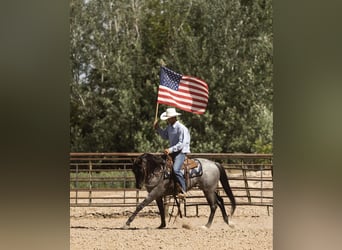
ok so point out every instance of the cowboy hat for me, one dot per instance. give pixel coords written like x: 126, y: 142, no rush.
x: 170, y: 112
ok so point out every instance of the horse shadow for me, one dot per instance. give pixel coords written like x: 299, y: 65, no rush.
x: 119, y: 228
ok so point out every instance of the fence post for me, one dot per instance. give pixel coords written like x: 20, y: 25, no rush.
x: 125, y: 183
x: 262, y: 182
x: 137, y: 197
x: 90, y: 181
x: 76, y: 184
x: 243, y: 167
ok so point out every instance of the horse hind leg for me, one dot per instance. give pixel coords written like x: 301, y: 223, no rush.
x: 211, y: 199
x: 220, y: 203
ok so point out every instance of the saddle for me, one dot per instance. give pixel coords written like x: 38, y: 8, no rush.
x: 189, y: 163
x: 190, y: 168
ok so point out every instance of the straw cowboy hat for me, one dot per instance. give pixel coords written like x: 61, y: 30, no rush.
x: 170, y: 112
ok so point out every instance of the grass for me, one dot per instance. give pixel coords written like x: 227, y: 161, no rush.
x: 102, y: 179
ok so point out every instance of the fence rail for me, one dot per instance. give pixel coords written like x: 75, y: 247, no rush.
x: 106, y: 179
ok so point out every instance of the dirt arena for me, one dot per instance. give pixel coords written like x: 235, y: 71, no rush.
x: 100, y: 229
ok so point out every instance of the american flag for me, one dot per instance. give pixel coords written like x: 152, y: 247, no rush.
x: 184, y: 92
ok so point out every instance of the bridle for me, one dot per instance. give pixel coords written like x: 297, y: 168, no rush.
x: 145, y: 173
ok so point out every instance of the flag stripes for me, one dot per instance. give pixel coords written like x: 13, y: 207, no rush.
x: 184, y: 92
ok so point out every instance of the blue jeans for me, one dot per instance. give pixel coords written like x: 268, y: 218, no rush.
x: 177, y: 165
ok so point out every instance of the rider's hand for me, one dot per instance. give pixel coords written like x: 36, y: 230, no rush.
x: 155, y: 124
x: 166, y: 151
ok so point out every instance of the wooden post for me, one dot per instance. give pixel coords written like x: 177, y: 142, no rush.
x: 90, y: 181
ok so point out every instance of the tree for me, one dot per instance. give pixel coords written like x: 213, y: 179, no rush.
x: 117, y: 48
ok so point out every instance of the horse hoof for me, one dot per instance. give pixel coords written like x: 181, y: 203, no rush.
x: 231, y: 225
x: 186, y: 226
x: 125, y: 227
x: 204, y: 227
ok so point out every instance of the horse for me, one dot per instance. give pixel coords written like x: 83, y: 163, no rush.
x: 151, y: 171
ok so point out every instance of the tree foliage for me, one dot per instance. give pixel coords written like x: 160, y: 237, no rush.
x: 117, y: 48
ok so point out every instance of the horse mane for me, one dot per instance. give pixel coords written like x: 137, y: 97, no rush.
x: 155, y: 161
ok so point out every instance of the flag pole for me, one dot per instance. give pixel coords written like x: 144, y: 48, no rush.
x: 162, y: 63
x: 156, y: 117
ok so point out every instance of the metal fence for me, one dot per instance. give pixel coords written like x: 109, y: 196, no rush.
x: 106, y: 179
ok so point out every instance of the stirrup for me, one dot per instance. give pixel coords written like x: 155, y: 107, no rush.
x: 182, y: 195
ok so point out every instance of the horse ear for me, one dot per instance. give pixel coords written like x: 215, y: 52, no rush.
x: 136, y: 161
x: 132, y: 160
x: 163, y: 159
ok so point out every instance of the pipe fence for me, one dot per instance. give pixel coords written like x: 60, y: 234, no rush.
x: 106, y: 180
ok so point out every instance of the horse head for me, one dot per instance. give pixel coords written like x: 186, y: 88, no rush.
x: 139, y: 170
x: 144, y: 167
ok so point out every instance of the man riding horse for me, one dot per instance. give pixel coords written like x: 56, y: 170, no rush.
x: 179, y: 140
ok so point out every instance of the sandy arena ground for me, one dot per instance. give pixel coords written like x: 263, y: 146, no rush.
x: 100, y: 229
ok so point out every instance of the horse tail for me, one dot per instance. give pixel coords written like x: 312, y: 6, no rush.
x: 226, y: 186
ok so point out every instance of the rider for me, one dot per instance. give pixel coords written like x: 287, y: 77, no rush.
x: 179, y: 139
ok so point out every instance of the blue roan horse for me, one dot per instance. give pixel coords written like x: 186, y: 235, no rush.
x: 151, y: 171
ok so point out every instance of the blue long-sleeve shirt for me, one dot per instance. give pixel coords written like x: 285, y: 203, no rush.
x: 178, y: 136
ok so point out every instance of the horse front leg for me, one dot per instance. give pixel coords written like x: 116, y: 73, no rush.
x: 143, y: 204
x: 160, y: 204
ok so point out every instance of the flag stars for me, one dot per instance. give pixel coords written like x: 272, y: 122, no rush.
x: 170, y: 79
